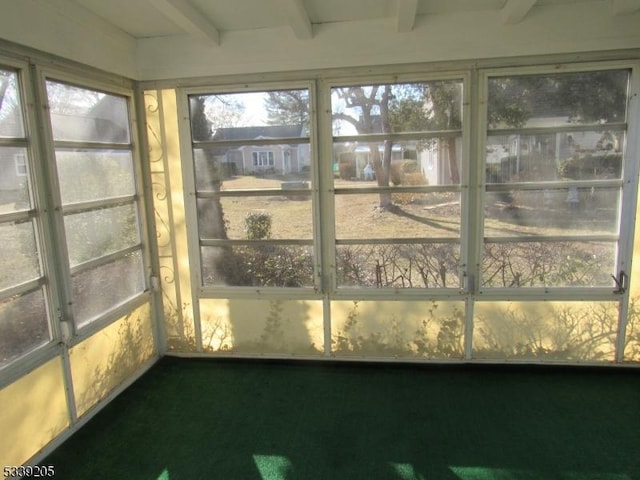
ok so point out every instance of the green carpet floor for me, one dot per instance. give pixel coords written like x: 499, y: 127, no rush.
x: 202, y: 419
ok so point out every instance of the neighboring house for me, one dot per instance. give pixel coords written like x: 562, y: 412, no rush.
x: 259, y: 159
x: 433, y: 160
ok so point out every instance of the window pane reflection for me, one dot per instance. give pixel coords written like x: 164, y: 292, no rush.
x: 105, y: 174
x: 83, y: 115
x: 558, y: 100
x: 11, y: 125
x: 103, y: 288
x: 18, y: 255
x: 23, y: 325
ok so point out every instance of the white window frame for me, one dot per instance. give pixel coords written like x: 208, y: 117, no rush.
x: 201, y: 290
x: 326, y: 145
x: 259, y: 159
x: 65, y: 272
x: 38, y: 216
x: 629, y: 192
x: 472, y: 187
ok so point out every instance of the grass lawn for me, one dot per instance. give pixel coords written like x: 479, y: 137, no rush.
x: 431, y: 215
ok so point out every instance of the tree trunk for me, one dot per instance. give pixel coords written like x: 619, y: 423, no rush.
x: 385, y: 163
x: 210, y: 213
x: 453, y: 161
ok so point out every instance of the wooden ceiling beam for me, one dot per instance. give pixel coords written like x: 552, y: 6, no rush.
x: 297, y: 17
x: 624, y: 7
x: 514, y: 11
x: 182, y: 13
x: 406, y: 15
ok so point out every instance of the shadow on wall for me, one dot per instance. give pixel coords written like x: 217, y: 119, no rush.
x: 250, y: 327
x: 562, y: 331
x: 566, y: 331
x: 110, y: 357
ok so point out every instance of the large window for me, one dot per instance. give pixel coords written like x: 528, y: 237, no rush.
x: 97, y: 188
x: 554, y: 176
x: 252, y: 169
x: 398, y: 153
x: 24, y: 314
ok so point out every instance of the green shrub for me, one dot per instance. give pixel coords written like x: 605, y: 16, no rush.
x: 257, y: 225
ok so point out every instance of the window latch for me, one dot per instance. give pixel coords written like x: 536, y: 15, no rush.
x: 621, y: 282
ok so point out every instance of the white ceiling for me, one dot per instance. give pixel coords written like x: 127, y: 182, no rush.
x: 177, y: 39
x: 212, y: 18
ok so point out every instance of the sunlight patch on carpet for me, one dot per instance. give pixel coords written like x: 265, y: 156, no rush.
x: 164, y: 475
x: 273, y: 467
x: 405, y: 471
x: 484, y: 473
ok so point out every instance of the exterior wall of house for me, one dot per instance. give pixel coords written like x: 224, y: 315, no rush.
x: 434, y: 162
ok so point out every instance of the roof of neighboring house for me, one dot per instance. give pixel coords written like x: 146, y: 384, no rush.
x: 253, y: 133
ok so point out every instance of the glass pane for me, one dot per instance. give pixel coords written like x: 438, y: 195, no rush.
x: 567, y: 211
x: 251, y: 166
x: 18, y: 255
x: 392, y: 108
x: 100, y: 232
x: 104, y: 174
x: 10, y: 109
x: 595, y: 155
x: 574, y: 331
x: 250, y: 116
x: 435, y: 214
x: 424, y: 162
x: 398, y: 329
x: 100, y: 289
x: 398, y: 266
x: 23, y: 325
x: 260, y: 218
x: 258, y: 266
x: 83, y: 115
x: 558, y: 100
x: 14, y: 179
x: 548, y: 264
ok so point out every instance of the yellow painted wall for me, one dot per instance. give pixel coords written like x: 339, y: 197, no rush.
x: 108, y: 358
x: 262, y: 326
x: 416, y: 329
x: 571, y: 331
x: 632, y: 337
x: 33, y: 412
x: 169, y: 210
